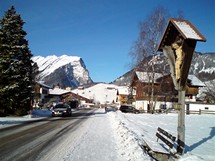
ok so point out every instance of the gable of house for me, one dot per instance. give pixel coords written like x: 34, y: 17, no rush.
x: 73, y: 96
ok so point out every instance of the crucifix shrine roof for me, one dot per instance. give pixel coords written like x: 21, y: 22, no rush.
x: 182, y: 27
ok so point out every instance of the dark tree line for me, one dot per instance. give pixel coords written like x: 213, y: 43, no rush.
x: 16, y: 66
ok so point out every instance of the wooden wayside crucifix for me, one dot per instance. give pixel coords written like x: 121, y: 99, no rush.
x: 178, y: 44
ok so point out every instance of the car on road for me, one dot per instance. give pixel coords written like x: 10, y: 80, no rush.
x: 61, y: 109
x: 128, y: 109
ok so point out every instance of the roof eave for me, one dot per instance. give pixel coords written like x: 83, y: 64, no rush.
x: 172, y: 22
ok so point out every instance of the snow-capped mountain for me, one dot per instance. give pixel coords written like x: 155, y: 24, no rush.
x: 64, y: 70
x: 202, y: 66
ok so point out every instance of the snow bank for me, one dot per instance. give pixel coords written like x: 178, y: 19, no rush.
x: 8, y: 121
x: 131, y: 129
x: 11, y: 121
x: 129, y: 141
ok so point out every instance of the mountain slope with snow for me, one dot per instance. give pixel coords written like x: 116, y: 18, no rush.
x: 64, y: 70
x: 202, y: 66
x: 102, y: 93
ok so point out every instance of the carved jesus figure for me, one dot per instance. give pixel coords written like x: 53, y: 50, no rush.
x: 177, y: 46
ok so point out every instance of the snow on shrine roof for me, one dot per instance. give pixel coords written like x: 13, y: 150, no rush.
x: 185, y: 29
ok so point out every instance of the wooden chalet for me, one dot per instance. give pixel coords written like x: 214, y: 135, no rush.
x: 62, y: 95
x: 75, y: 98
x: 58, y: 94
x: 164, y: 90
x: 124, y: 95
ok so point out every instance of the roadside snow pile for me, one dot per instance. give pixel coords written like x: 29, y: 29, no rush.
x: 131, y: 129
x: 9, y: 121
x: 35, y: 115
x: 129, y: 141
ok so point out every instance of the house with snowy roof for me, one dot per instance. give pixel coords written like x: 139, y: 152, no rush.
x: 75, y: 100
x: 58, y: 94
x: 66, y: 95
x: 41, y: 91
x: 123, y: 94
x: 165, y: 93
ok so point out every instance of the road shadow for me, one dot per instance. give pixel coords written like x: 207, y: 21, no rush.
x: 78, y: 114
x: 14, y: 124
x: 192, y: 147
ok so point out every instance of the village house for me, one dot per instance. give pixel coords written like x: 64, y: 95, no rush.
x: 41, y: 91
x: 124, y: 95
x: 76, y: 100
x: 66, y: 95
x: 58, y: 95
x: 165, y: 94
x: 46, y: 96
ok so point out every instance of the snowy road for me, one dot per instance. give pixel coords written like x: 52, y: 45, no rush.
x: 94, y: 135
x: 46, y: 139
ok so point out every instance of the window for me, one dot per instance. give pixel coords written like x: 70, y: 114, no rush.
x: 44, y: 91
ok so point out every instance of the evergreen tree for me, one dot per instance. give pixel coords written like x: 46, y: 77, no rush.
x: 15, y: 64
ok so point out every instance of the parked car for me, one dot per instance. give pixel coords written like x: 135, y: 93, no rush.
x: 128, y: 109
x: 61, y: 110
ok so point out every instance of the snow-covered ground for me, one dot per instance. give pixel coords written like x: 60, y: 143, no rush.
x: 199, y: 133
x: 118, y: 136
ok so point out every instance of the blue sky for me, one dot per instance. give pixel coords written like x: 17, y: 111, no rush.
x: 102, y: 31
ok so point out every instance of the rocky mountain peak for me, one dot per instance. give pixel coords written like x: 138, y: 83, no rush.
x: 64, y: 70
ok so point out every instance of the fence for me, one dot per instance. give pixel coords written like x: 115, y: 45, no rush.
x: 200, y: 112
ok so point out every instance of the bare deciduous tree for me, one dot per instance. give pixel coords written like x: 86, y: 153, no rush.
x: 146, y: 45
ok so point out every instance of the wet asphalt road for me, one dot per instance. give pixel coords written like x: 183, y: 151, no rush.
x: 31, y: 141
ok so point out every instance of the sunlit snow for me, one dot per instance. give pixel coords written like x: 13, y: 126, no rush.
x: 117, y: 136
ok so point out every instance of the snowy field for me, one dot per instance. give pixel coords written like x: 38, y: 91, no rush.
x: 117, y: 136
x: 199, y: 133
